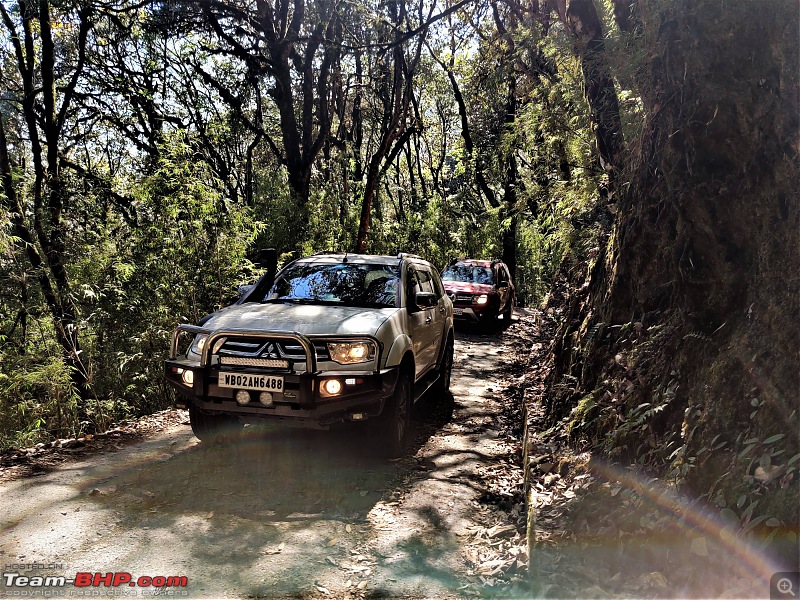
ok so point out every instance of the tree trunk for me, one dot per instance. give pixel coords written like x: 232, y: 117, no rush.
x: 583, y: 21
x: 44, y: 242
x: 703, y: 259
x: 395, y: 88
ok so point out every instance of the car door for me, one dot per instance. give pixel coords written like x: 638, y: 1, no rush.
x: 441, y: 314
x: 420, y: 321
x: 503, y: 286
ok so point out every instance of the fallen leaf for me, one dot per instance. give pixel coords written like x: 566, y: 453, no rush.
x: 493, y: 566
x: 699, y: 546
x: 361, y: 585
x: 650, y: 580
x: 358, y: 569
x: 323, y: 590
x: 765, y: 475
x: 331, y: 542
x: 333, y: 562
x: 595, y: 591
x: 501, y: 530
x: 348, y: 528
x: 277, y: 550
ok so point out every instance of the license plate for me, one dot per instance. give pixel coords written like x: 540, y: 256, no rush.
x: 458, y: 311
x: 247, y: 381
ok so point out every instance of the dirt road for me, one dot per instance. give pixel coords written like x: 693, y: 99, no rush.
x: 290, y: 513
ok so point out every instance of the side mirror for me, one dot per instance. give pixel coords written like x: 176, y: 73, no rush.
x: 425, y: 300
x: 268, y: 258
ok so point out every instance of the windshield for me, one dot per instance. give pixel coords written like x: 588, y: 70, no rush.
x: 346, y: 284
x: 468, y: 274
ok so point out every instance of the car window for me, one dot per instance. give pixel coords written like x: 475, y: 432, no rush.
x: 468, y: 274
x: 425, y: 282
x: 437, y: 284
x: 344, y: 283
x: 412, y: 286
x: 502, y: 274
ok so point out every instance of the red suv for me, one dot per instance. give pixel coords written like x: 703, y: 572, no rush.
x: 480, y: 289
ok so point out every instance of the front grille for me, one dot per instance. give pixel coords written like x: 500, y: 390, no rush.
x: 240, y: 347
x: 269, y: 349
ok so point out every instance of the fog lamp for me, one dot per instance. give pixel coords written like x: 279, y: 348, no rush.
x: 188, y: 377
x: 242, y: 397
x: 482, y: 299
x: 331, y: 387
x: 265, y: 398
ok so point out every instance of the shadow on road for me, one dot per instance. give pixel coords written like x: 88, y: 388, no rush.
x: 255, y: 515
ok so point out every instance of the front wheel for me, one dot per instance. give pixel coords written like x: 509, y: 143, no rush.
x: 396, y: 420
x: 509, y: 311
x: 212, y: 427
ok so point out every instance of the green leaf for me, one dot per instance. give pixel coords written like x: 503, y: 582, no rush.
x: 728, y: 515
x: 774, y: 438
x: 773, y: 522
x: 754, y: 522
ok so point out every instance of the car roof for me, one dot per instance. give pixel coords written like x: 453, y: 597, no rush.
x: 360, y: 259
x: 477, y: 262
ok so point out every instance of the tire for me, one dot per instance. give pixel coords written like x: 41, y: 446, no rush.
x: 509, y: 311
x: 212, y: 428
x: 396, y: 420
x: 445, y: 370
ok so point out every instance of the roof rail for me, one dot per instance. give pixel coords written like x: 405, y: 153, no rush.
x: 408, y: 255
x: 327, y: 252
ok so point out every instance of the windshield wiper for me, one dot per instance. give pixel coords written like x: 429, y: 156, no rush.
x: 356, y: 304
x: 300, y: 301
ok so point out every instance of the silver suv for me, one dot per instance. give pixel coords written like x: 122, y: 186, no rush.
x: 329, y: 338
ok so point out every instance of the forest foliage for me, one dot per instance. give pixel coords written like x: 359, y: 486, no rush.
x: 149, y: 150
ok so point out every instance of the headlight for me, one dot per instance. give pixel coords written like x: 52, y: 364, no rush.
x: 482, y: 299
x: 199, y: 343
x: 349, y: 353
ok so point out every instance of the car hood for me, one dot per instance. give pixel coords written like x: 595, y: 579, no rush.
x: 308, y: 319
x: 465, y: 286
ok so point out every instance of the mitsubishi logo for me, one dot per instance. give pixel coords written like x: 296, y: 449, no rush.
x: 453, y: 296
x: 270, y: 351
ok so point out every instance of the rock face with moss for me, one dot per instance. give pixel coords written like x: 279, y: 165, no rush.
x: 684, y: 343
